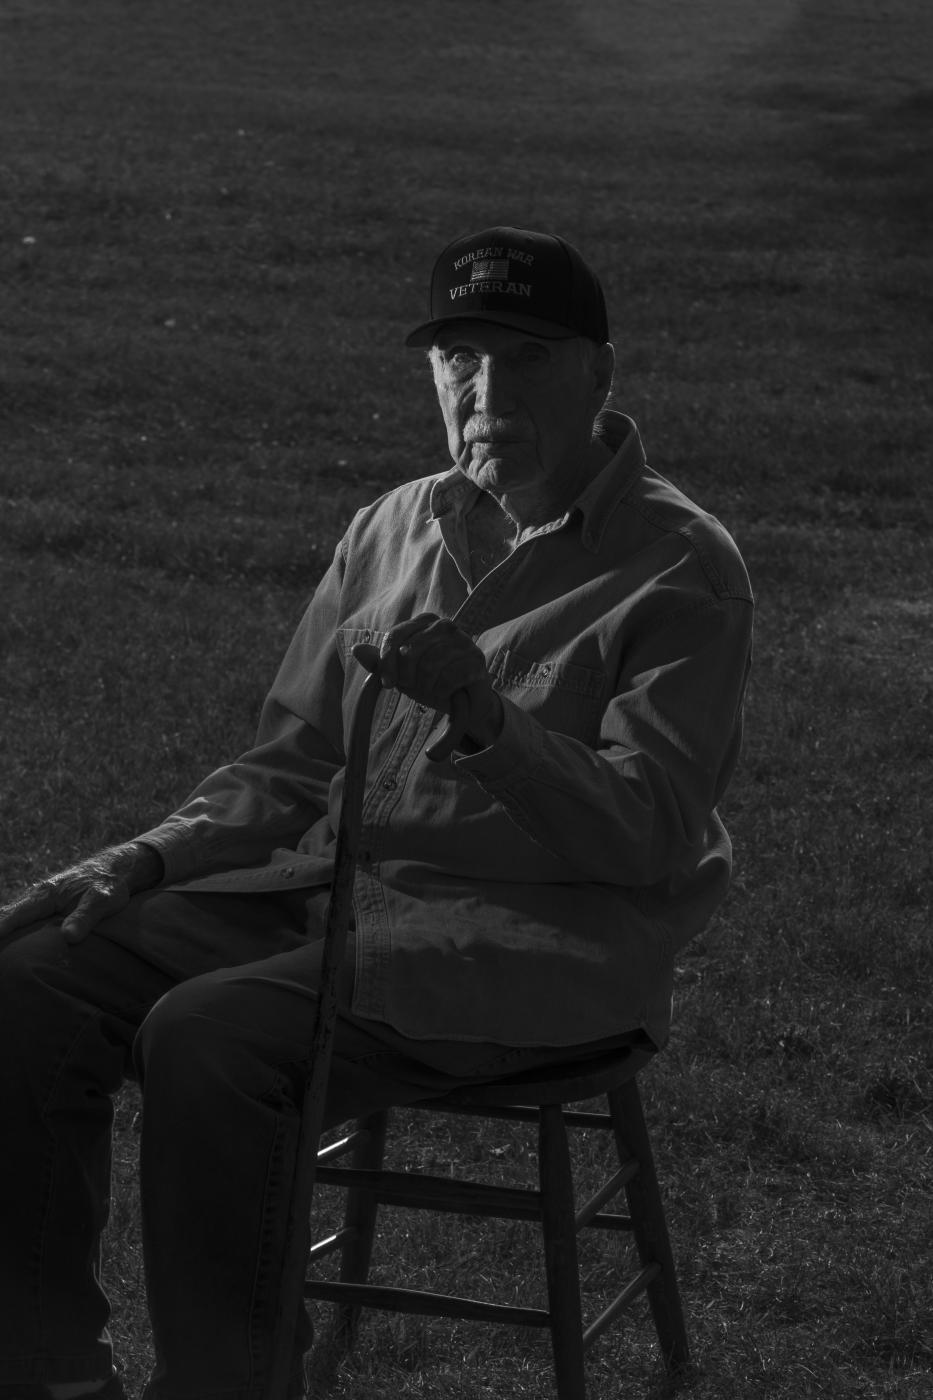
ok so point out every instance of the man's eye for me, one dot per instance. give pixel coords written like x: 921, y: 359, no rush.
x: 534, y: 355
x: 461, y: 359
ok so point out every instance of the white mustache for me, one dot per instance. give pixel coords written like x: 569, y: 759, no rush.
x: 493, y: 430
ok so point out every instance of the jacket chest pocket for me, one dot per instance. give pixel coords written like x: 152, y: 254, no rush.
x: 561, y: 695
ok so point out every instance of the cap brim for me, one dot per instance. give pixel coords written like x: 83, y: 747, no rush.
x: 544, y: 330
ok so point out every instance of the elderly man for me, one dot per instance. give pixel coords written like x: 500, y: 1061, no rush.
x: 517, y: 903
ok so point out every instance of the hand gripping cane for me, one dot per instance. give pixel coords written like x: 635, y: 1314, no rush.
x: 339, y: 913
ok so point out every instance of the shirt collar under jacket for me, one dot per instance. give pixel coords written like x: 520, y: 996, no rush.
x: 453, y: 493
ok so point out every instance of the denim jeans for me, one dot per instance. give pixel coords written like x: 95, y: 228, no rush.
x: 208, y: 1001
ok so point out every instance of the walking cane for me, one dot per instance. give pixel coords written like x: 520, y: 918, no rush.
x: 339, y: 913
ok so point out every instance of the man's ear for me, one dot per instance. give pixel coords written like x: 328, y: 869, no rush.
x: 604, y: 364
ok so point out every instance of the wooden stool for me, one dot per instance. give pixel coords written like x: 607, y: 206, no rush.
x: 540, y: 1098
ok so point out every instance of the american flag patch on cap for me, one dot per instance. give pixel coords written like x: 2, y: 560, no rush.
x: 489, y: 268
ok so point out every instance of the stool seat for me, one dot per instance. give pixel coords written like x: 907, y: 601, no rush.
x: 569, y: 1083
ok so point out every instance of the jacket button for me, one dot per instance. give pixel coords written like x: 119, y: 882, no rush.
x: 389, y: 783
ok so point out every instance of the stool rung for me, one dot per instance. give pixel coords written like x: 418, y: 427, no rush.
x: 344, y: 1145
x: 612, y: 1188
x: 628, y: 1295
x: 518, y: 1113
x: 332, y: 1242
x: 438, y: 1192
x: 609, y: 1221
x: 370, y: 1295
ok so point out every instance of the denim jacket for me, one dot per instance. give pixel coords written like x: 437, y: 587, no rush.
x: 535, y: 892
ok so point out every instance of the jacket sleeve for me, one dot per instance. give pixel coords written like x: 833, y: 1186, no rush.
x: 635, y: 809
x: 272, y: 794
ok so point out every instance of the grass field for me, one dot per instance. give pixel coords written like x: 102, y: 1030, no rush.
x: 218, y: 221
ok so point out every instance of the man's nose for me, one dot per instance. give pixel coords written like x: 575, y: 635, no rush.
x: 494, y: 387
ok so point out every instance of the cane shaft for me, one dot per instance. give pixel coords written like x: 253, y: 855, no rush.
x: 339, y: 913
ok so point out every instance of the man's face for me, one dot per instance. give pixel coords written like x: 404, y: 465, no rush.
x: 519, y: 412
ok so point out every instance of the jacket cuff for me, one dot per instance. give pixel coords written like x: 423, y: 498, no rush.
x: 173, y: 841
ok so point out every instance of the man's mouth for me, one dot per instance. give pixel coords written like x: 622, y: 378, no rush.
x: 492, y: 440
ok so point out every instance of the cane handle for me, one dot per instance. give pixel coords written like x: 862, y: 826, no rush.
x: 368, y: 656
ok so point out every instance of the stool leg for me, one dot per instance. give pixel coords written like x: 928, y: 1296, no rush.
x: 360, y: 1216
x: 560, y: 1253
x: 649, y: 1224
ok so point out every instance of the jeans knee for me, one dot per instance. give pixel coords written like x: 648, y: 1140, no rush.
x: 185, y: 1037
x: 27, y: 995
x: 167, y: 1034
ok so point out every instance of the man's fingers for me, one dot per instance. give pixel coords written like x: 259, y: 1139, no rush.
x: 75, y: 930
x: 80, y: 921
x: 94, y: 906
x: 41, y: 902
x: 395, y: 639
x: 440, y: 667
x: 428, y: 658
x: 403, y: 630
x: 367, y: 655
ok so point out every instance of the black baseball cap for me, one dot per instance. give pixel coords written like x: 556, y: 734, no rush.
x: 534, y: 282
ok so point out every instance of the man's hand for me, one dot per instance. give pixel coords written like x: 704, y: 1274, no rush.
x: 87, y: 892
x: 430, y: 659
